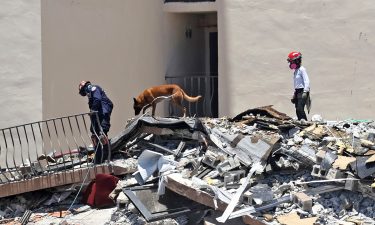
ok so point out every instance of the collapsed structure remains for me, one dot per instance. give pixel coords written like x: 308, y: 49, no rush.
x: 260, y: 167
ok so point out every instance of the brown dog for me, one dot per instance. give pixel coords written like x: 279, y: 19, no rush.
x: 151, y: 96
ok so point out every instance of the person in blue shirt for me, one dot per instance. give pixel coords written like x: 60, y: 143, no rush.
x: 100, y: 103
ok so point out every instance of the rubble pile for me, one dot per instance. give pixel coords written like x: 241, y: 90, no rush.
x: 264, y: 164
x: 260, y: 167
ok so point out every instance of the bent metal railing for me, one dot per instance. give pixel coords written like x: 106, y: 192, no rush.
x: 47, y: 147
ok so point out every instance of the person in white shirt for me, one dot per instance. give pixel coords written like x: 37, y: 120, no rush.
x: 301, y: 84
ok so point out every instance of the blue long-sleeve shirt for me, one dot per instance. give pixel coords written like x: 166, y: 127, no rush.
x: 98, y: 101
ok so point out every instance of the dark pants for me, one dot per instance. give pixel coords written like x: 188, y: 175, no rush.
x: 105, y: 123
x: 102, y: 150
x: 300, y: 102
x: 101, y: 153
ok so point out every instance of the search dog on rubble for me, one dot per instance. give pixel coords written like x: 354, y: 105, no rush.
x: 153, y: 95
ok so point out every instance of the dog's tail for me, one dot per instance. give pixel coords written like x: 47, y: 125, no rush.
x: 189, y: 98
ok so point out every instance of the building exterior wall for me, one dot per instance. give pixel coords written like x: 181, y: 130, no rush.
x: 335, y: 38
x: 125, y: 46
x: 186, y: 7
x: 20, y: 62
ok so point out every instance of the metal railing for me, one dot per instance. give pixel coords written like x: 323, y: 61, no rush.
x: 49, y: 146
x: 194, y: 85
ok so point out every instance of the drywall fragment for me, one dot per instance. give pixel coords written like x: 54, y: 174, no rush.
x: 371, y: 159
x: 149, y: 162
x: 342, y: 162
x: 294, y: 218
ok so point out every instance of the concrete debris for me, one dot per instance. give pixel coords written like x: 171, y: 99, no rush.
x: 294, y: 218
x: 262, y: 193
x: 149, y: 162
x: 260, y: 166
x: 303, y: 201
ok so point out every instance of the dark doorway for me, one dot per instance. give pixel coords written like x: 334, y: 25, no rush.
x: 213, y: 44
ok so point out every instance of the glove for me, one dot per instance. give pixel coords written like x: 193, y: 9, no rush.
x: 103, y: 139
x: 293, y: 99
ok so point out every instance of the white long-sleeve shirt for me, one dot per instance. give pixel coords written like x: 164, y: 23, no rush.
x: 301, y: 79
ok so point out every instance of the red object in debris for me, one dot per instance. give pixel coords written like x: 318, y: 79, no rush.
x: 96, y: 193
x: 89, y: 194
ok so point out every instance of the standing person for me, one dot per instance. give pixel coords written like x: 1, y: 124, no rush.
x: 301, y: 95
x: 100, y: 103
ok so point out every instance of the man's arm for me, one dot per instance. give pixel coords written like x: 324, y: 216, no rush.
x: 306, y: 81
x: 96, y: 100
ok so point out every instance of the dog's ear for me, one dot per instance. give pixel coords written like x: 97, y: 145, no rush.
x: 135, y: 100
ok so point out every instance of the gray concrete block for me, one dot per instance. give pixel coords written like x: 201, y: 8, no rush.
x: 303, y: 201
x: 247, y: 198
x: 335, y: 174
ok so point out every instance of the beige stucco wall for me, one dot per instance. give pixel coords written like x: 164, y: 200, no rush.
x: 335, y: 37
x: 189, y: 7
x: 125, y: 46
x: 20, y: 62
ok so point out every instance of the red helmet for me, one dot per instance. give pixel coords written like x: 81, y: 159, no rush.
x: 293, y: 56
x: 81, y: 86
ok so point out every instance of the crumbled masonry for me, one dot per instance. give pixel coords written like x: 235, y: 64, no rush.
x: 260, y: 167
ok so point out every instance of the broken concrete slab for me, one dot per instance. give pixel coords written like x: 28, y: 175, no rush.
x: 248, y: 149
x: 51, y: 180
x: 135, y: 127
x: 362, y: 168
x: 184, y: 187
x: 342, y: 162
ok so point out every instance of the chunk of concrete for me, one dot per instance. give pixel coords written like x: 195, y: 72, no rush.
x: 335, y: 174
x: 351, y: 184
x: 317, y: 171
x: 320, y: 156
x: 303, y: 201
x: 247, y: 198
x: 211, y: 158
x: 233, y: 176
x: 122, y: 200
x: 261, y: 193
x: 230, y: 164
